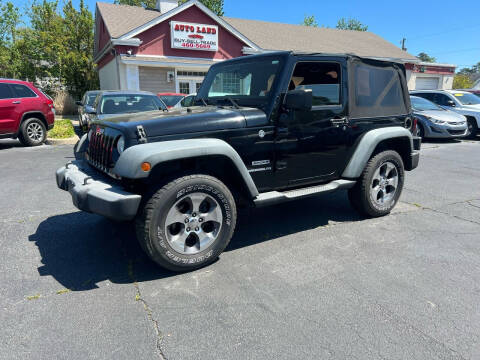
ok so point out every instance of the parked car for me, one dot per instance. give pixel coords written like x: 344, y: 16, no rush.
x: 87, y: 100
x: 26, y: 112
x: 284, y: 130
x: 473, y: 91
x: 436, y: 122
x: 461, y: 102
x: 171, y: 99
x: 111, y: 104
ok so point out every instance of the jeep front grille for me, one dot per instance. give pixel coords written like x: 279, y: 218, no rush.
x: 100, y: 151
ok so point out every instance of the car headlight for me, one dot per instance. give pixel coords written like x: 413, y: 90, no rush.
x: 120, y: 144
x: 435, y: 121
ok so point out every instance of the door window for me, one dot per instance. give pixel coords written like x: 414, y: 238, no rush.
x: 320, y: 77
x: 5, y: 91
x: 22, y: 91
x: 184, y: 87
x: 442, y: 99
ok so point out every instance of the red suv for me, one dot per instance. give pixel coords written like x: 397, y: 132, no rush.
x: 26, y: 113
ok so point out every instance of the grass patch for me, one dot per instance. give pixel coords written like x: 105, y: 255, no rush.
x: 62, y: 129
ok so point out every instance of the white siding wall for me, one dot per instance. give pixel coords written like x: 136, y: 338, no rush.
x: 108, y: 76
x: 154, y: 79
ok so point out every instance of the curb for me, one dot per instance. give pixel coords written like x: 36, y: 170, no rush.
x: 68, y: 141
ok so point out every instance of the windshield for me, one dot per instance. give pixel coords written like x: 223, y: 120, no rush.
x: 90, y: 98
x: 248, y: 82
x: 171, y: 100
x: 467, y: 98
x: 123, y: 104
x: 421, y: 104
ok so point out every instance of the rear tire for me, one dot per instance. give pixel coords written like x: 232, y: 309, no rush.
x: 187, y: 223
x: 380, y: 185
x: 32, y: 132
x: 472, y: 127
x: 420, y: 131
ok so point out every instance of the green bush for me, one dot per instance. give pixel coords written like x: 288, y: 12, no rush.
x: 62, y: 129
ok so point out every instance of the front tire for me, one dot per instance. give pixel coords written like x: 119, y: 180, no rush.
x: 33, y: 132
x: 187, y: 223
x: 472, y: 127
x: 380, y: 185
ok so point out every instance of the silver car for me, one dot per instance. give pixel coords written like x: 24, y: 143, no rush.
x: 435, y: 122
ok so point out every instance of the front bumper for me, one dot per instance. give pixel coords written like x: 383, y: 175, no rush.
x: 446, y: 131
x: 93, y: 192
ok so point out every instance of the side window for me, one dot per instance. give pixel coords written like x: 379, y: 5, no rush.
x: 5, y: 91
x: 428, y: 96
x: 22, y: 91
x: 442, y: 99
x: 322, y: 78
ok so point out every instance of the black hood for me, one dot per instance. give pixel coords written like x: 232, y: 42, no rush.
x: 185, y: 120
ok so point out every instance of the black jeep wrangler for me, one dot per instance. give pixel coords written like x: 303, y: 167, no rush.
x: 264, y: 129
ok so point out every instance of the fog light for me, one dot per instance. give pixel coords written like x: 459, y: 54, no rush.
x: 146, y: 166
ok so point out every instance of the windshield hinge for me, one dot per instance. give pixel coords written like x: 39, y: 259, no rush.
x: 141, y: 134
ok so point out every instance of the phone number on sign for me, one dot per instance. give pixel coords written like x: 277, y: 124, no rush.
x: 198, y: 46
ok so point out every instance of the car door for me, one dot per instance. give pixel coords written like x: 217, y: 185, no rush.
x: 9, y: 114
x: 311, y: 146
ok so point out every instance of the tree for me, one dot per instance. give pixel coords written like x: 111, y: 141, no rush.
x: 9, y: 21
x: 309, y: 21
x: 351, y: 24
x: 426, y: 58
x: 462, y: 81
x: 143, y: 3
x: 215, y: 5
x: 475, y: 69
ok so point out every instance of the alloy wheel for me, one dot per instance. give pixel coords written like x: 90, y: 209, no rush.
x: 193, y: 223
x: 34, y: 132
x: 384, y: 184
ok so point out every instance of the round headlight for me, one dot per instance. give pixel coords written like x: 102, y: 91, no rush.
x: 120, y: 144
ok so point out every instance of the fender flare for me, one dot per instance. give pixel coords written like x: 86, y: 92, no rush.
x: 128, y: 165
x: 367, y: 145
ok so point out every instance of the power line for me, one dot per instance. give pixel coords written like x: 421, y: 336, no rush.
x: 456, y: 51
x: 444, y: 32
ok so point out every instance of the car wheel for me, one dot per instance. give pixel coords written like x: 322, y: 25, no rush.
x: 33, y: 132
x: 187, y: 223
x: 420, y: 131
x: 472, y: 127
x: 380, y: 185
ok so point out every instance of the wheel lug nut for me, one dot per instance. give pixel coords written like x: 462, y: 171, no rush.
x: 186, y: 221
x: 200, y: 220
x: 188, y: 229
x: 194, y: 214
x: 197, y: 228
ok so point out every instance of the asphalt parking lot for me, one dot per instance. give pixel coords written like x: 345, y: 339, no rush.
x: 303, y: 280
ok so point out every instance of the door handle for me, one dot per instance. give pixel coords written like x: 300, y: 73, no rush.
x: 339, y: 121
x: 16, y: 102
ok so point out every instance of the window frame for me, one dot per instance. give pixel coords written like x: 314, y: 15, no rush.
x: 341, y: 103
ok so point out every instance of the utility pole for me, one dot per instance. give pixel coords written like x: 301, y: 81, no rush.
x: 403, y: 44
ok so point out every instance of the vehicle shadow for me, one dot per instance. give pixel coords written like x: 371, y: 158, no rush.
x: 10, y: 143
x: 80, y: 250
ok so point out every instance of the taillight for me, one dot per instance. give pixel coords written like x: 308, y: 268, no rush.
x: 49, y: 102
x: 414, y: 125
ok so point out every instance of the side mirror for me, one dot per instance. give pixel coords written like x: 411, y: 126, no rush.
x: 79, y: 103
x: 299, y: 99
x: 451, y: 103
x: 90, y: 110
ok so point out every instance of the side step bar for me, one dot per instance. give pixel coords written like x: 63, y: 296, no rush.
x: 273, y: 197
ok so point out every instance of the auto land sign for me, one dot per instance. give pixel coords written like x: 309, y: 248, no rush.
x: 192, y: 36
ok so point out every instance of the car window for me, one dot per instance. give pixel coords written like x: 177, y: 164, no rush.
x: 123, y: 104
x: 320, y: 77
x: 442, y: 99
x: 22, y: 91
x: 428, y: 96
x: 90, y: 99
x: 5, y: 91
x: 467, y: 98
x: 421, y: 104
x: 171, y: 100
x: 188, y: 101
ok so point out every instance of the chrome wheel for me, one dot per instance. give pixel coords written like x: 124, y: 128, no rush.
x: 384, y: 184
x: 35, y: 132
x: 193, y: 223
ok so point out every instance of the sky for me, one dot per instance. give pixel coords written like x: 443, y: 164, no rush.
x: 449, y: 31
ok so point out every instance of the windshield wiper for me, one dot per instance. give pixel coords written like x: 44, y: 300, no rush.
x: 203, y: 101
